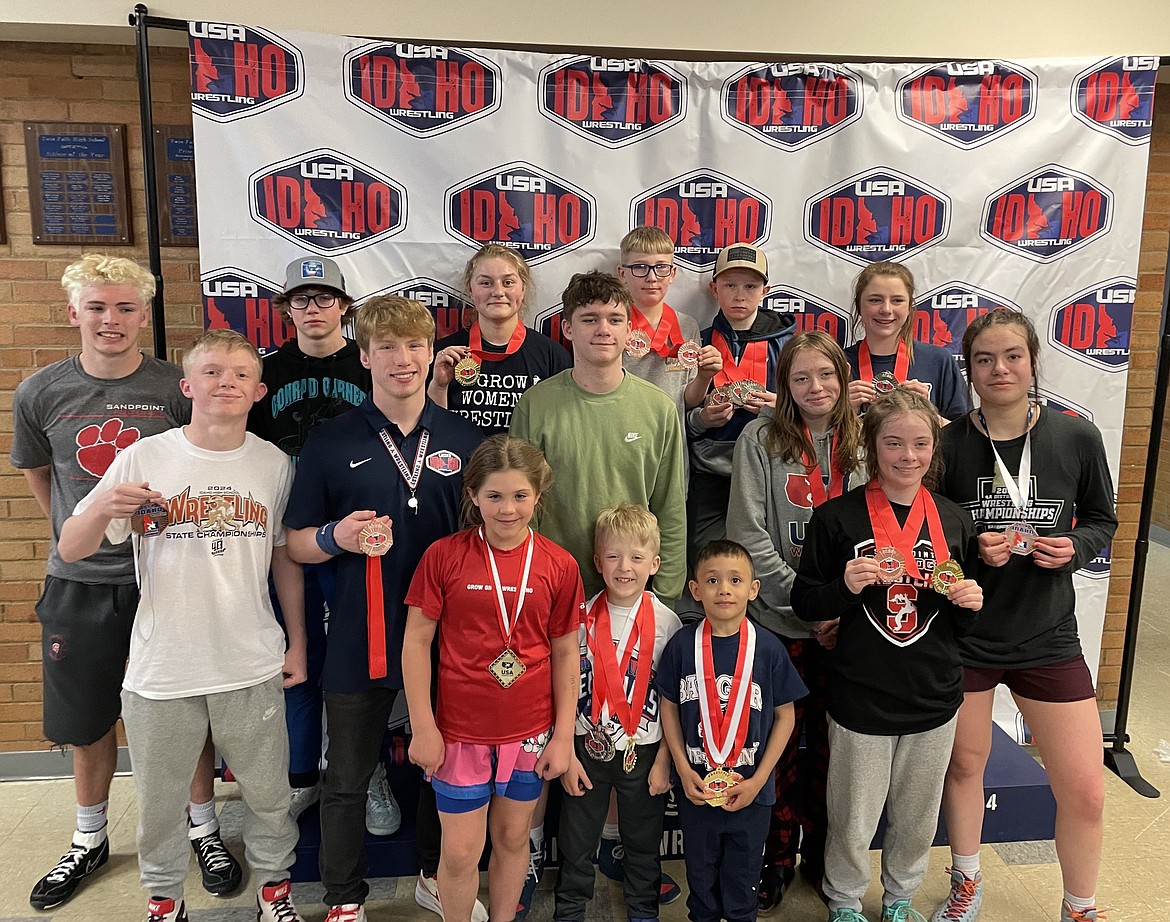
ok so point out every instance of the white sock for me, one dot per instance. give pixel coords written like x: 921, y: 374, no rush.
x: 201, y: 813
x: 610, y: 831
x: 536, y: 838
x: 1079, y: 903
x: 91, y: 819
x: 968, y: 864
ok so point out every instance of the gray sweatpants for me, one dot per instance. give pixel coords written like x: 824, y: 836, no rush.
x: 165, y: 739
x: 903, y: 773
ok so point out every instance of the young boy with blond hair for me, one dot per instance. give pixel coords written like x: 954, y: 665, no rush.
x: 204, y: 503
x: 617, y: 746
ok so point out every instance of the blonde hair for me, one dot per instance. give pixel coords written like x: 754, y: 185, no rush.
x: 887, y: 269
x: 392, y: 315
x: 496, y: 251
x: 646, y: 239
x: 100, y: 269
x: 625, y: 520
x: 226, y: 340
x: 497, y: 453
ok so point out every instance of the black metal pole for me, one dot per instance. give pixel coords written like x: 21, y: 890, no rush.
x: 146, y: 120
x: 1117, y: 758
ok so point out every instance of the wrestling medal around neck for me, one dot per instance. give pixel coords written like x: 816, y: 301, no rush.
x: 737, y: 381
x: 895, y: 544
x: 610, y: 665
x: 884, y: 381
x: 724, y: 731
x: 507, y: 667
x: 1021, y: 534
x: 667, y: 340
x: 467, y: 369
x: 149, y: 519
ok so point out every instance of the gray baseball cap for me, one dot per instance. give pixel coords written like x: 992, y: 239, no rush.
x: 317, y: 271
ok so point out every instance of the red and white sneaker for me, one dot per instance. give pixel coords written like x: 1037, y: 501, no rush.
x: 346, y: 912
x: 160, y: 910
x: 274, y: 903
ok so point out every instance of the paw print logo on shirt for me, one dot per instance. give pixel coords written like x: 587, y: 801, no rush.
x: 98, y: 446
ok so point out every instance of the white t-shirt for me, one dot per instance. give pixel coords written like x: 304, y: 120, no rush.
x: 205, y: 623
x: 666, y: 623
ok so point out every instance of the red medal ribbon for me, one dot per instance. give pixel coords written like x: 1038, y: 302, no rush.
x: 901, y: 362
x: 609, y: 673
x: 475, y: 341
x: 816, y: 480
x: 752, y: 365
x: 668, y: 331
x: 718, y: 725
x: 887, y: 532
x: 375, y: 618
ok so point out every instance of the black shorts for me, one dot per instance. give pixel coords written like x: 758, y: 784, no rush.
x: 85, y: 641
x: 1058, y: 682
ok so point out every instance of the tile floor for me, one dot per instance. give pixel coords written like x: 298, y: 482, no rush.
x: 1023, y: 879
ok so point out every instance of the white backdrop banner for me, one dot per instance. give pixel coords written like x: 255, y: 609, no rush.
x: 1015, y: 184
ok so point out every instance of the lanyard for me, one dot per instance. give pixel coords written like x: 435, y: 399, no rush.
x: 724, y: 732
x: 816, y: 480
x: 507, y: 626
x: 668, y: 331
x: 752, y: 364
x: 1019, y: 490
x: 410, y: 474
x: 886, y: 529
x: 475, y: 343
x: 901, y: 362
x: 611, y: 664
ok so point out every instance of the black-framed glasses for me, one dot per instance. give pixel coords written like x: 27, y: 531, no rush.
x: 641, y: 270
x: 323, y: 299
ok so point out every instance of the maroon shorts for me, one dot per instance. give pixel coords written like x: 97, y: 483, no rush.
x: 1059, y: 682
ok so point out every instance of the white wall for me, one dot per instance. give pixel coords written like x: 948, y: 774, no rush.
x: 799, y: 28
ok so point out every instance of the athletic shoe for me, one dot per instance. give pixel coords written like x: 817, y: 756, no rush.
x: 609, y: 859
x: 668, y: 890
x: 274, y: 903
x: 426, y: 894
x: 963, y: 902
x: 346, y: 912
x: 1068, y: 914
x: 88, y: 852
x: 774, y: 883
x: 160, y: 910
x: 901, y: 911
x: 222, y: 874
x: 535, y: 870
x: 846, y: 915
x: 302, y: 799
x: 383, y: 816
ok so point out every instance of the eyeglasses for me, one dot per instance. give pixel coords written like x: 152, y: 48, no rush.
x: 323, y: 299
x: 642, y: 270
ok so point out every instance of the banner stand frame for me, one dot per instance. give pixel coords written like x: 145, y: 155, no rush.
x: 1117, y: 758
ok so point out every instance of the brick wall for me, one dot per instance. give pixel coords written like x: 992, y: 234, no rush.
x: 96, y: 83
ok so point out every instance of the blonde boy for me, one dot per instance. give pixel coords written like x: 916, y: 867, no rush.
x: 617, y: 743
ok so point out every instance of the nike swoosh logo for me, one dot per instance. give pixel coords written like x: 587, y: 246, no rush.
x: 633, y: 436
x: 354, y: 464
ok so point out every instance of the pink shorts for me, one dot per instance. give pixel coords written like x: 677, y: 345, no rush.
x: 472, y: 772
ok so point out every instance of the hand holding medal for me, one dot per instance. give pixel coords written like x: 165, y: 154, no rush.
x: 368, y: 533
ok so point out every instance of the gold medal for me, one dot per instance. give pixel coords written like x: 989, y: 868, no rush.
x: 630, y: 759
x: 149, y: 519
x: 720, y: 782
x: 507, y: 668
x: 945, y: 576
x: 375, y: 539
x: 688, y: 354
x: 467, y: 370
x: 1021, y: 538
x: 637, y: 344
x: 891, y: 563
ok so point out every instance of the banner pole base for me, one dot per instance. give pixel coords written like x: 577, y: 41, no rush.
x: 1121, y: 763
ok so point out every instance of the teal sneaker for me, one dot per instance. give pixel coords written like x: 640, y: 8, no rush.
x: 846, y: 915
x: 901, y: 911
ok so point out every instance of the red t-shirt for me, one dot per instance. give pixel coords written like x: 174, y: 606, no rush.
x: 453, y: 585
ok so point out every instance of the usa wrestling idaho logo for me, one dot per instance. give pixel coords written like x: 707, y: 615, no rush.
x: 810, y: 312
x: 521, y: 206
x: 237, y: 71
x: 1061, y: 404
x: 327, y: 202
x: 612, y: 101
x: 1047, y: 213
x: 1117, y: 97
x: 1094, y: 326
x: 791, y: 105
x: 967, y: 103
x: 451, y: 310
x: 703, y: 212
x: 237, y: 300
x: 942, y: 315
x: 875, y: 215
x: 423, y: 90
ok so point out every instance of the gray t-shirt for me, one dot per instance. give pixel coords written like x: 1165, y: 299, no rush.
x: 76, y: 424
